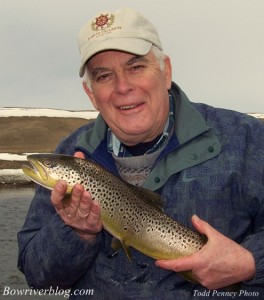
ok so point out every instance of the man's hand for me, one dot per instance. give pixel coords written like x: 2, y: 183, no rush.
x: 220, y: 263
x: 82, y: 213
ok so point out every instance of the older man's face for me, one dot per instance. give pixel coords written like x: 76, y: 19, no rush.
x: 131, y: 92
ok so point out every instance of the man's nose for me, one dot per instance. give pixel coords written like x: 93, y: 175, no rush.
x: 123, y: 83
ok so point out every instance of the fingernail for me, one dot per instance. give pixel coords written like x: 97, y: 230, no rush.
x: 195, y: 218
x: 78, y: 189
x: 157, y: 263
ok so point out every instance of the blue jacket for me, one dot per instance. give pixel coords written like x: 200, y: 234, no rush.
x: 213, y: 167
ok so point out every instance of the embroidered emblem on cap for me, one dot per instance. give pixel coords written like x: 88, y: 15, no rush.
x: 102, y: 22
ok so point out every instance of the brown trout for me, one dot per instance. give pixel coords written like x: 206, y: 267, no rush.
x: 133, y: 215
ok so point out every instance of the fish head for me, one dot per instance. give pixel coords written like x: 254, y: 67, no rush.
x: 48, y: 169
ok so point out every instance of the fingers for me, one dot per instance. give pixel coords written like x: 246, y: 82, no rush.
x: 88, y: 209
x: 76, y: 198
x: 218, y: 263
x: 85, y: 205
x: 82, y: 213
x: 94, y: 216
x: 202, y: 226
x: 185, y: 263
x: 91, y: 215
x: 79, y: 154
x: 188, y: 262
x: 58, y: 193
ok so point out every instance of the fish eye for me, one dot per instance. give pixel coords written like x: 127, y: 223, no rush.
x: 48, y: 163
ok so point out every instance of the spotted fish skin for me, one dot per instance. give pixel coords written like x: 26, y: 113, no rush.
x: 131, y: 214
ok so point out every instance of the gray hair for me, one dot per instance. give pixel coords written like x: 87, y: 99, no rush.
x: 160, y: 55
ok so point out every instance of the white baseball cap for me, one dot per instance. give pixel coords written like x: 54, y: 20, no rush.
x: 124, y: 30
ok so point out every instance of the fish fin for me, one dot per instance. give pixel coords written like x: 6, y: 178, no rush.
x: 150, y: 197
x: 126, y: 249
x: 116, y: 244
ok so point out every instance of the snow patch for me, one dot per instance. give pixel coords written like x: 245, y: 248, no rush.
x: 46, y: 112
x: 258, y: 116
x: 15, y: 157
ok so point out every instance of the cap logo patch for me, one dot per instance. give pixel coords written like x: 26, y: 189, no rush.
x: 102, y: 22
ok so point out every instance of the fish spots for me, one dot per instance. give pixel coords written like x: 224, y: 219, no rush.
x: 125, y: 208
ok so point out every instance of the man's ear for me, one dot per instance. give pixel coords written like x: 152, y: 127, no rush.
x: 90, y: 94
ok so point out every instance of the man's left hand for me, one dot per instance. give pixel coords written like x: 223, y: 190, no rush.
x: 220, y: 263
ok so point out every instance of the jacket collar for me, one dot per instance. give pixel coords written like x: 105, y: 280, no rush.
x: 188, y: 121
x: 196, y: 143
x: 186, y: 128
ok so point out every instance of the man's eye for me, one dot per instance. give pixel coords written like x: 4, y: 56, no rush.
x: 137, y: 67
x: 103, y: 77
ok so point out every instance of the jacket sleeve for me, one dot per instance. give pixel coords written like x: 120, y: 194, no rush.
x: 253, y: 186
x: 254, y: 242
x: 50, y: 252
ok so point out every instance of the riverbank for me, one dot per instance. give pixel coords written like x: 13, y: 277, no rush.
x: 24, y: 131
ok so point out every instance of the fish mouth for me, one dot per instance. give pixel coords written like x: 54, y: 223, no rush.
x: 35, y: 171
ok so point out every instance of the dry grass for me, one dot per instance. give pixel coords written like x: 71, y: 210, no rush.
x: 33, y: 134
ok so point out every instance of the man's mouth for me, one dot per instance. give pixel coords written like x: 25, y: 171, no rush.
x: 128, y: 107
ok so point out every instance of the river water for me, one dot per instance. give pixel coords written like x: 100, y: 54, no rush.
x: 14, y: 204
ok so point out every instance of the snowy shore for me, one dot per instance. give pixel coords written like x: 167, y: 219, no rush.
x: 46, y: 112
x: 13, y: 177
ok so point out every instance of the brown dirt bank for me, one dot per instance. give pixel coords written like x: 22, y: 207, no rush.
x: 31, y: 134
x: 35, y: 134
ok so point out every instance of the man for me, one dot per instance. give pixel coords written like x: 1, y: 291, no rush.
x: 204, y: 162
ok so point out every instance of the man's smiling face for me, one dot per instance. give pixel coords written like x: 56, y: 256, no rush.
x: 131, y: 93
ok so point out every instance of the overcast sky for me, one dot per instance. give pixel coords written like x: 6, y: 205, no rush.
x: 216, y: 47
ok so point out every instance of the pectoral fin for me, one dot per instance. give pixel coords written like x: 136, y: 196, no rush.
x: 127, y: 251
x: 116, y: 244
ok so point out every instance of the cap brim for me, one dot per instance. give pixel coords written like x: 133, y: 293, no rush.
x: 130, y: 45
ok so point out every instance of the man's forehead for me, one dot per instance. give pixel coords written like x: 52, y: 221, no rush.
x: 110, y: 55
